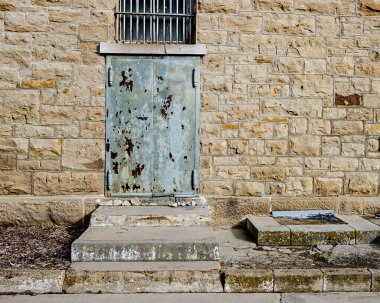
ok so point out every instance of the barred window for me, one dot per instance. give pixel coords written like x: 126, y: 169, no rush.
x: 156, y: 21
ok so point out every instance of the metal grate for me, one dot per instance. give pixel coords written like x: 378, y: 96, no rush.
x: 156, y: 21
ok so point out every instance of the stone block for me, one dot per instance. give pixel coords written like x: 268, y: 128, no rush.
x: 38, y: 84
x: 15, y: 56
x: 248, y: 188
x: 224, y: 188
x: 56, y: 114
x: 328, y: 186
x: 232, y: 172
x: 312, y: 86
x: 365, y: 231
x: 267, y: 231
x: 8, y: 5
x: 8, y: 78
x: 299, y: 186
x: 45, y: 148
x: 310, y: 47
x: 33, y: 131
x: 299, y: 203
x: 256, y: 130
x: 25, y: 22
x: 348, y: 99
x: 84, y: 154
x: 292, y: 107
x: 288, y: 65
x: 277, y: 5
x: 340, y: 7
x: 7, y: 161
x: 52, y: 2
x: 15, y: 183
x: 31, y: 281
x: 14, y: 145
x: 43, y: 211
x: 93, y: 32
x: 362, y: 183
x: 287, y: 24
x: 19, y: 106
x: 248, y: 280
x: 346, y: 279
x: 342, y: 127
x: 97, y: 4
x: 218, y: 6
x: 243, y: 23
x: 298, y: 280
x: 305, y: 145
x: 306, y: 235
x: 375, y: 279
x: 268, y: 173
x: 45, y: 183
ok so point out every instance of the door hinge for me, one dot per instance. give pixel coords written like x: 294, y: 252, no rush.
x: 195, y: 77
x: 110, y: 76
x: 194, y: 180
x: 108, y: 180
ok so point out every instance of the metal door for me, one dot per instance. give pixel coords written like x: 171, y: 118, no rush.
x: 152, y: 133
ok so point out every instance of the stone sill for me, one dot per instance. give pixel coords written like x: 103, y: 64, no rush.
x: 152, y: 49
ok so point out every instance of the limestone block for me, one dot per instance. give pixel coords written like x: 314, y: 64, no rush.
x: 15, y: 183
x: 344, y: 164
x: 212, y: 37
x: 88, y: 76
x: 56, y: 114
x: 268, y: 173
x: 223, y: 188
x: 232, y: 172
x: 83, y: 154
x: 346, y: 279
x: 299, y: 186
x: 214, y: 147
x: 25, y: 22
x: 244, y: 23
x: 68, y: 15
x: 289, y: 24
x: 292, y: 107
x: 67, y: 57
x: 319, y: 127
x: 8, y: 78
x: 56, y: 41
x: 276, y: 147
x: 241, y: 112
x: 256, y: 130
x: 97, y: 4
x: 14, y: 145
x: 237, y: 147
x: 372, y: 101
x: 308, y: 47
x: 339, y: 7
x: 369, y: 7
x: 67, y: 183
x: 312, y: 85
x: 45, y: 148
x: 15, y: 56
x: 288, y: 65
x: 73, y: 96
x: 328, y: 186
x: 305, y: 145
x: 93, y: 32
x: 35, y: 131
x: 297, y: 280
x: 362, y: 183
x: 274, y: 5
x: 375, y: 279
x: 92, y: 130
x: 38, y: 84
x: 248, y: 280
x: 7, y: 161
x: 218, y: 6
x: 327, y: 26
x: 248, y: 188
x: 267, y: 231
x: 347, y: 127
x: 250, y: 73
x: 340, y: 65
x: 52, y: 2
x: 8, y: 5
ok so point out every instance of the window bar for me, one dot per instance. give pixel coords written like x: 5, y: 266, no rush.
x: 183, y: 20
x: 158, y: 22
x: 130, y: 21
x: 164, y: 21
x: 144, y: 21
x: 170, y: 21
x: 151, y: 21
x: 177, y: 23
x: 118, y: 21
x: 137, y: 20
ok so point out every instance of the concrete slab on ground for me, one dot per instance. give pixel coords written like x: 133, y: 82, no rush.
x: 199, y: 298
x: 195, y: 243
x: 143, y: 277
x: 267, y: 231
x: 150, y: 216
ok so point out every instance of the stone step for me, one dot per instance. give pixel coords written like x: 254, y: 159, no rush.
x: 148, y: 277
x: 268, y: 231
x: 150, y: 216
x: 174, y: 243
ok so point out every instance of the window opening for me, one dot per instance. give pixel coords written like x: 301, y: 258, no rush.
x: 156, y: 21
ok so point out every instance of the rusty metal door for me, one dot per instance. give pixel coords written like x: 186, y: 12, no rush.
x: 152, y: 133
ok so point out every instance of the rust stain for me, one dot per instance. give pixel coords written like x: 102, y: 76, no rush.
x: 348, y: 99
x: 135, y: 187
x: 138, y: 170
x: 274, y: 120
x: 107, y: 147
x: 129, y: 146
x: 125, y: 187
x: 166, y: 106
x: 160, y: 78
x: 171, y: 157
x: 113, y: 155
x: 230, y: 126
x: 155, y: 218
x: 182, y: 126
x: 115, y: 167
x: 126, y: 82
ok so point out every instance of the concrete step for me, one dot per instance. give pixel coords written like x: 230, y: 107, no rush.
x: 356, y: 230
x: 136, y: 277
x: 150, y: 216
x: 174, y: 243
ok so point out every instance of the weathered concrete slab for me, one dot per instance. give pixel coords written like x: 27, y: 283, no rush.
x: 31, y: 281
x: 150, y: 216
x: 346, y: 279
x: 365, y: 231
x: 267, y: 231
x: 321, y: 234
x: 147, y: 298
x: 298, y: 280
x: 331, y: 298
x: 248, y: 280
x: 196, y: 243
x: 143, y: 277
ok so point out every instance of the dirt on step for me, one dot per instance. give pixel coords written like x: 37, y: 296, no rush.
x: 35, y: 247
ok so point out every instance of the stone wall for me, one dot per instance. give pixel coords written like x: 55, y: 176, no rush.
x: 291, y: 95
